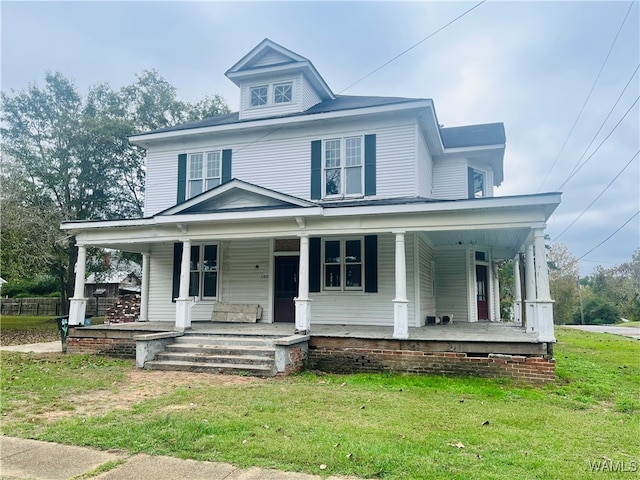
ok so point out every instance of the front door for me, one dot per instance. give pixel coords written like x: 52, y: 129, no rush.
x: 285, y: 289
x: 481, y: 292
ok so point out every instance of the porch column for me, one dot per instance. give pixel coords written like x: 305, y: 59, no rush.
x: 144, y: 291
x: 544, y: 304
x: 302, y: 301
x: 530, y: 288
x: 517, y: 290
x: 400, y: 303
x: 78, y: 303
x: 495, y: 284
x: 184, y: 302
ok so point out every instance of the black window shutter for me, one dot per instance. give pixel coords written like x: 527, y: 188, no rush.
x: 471, y: 183
x: 316, y: 170
x: 314, y: 264
x: 370, y: 164
x: 177, y: 259
x: 182, y: 177
x: 371, y: 263
x: 226, y: 166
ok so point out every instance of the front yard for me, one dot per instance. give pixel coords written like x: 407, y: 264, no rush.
x: 380, y: 426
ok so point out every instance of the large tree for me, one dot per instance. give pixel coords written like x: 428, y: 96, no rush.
x: 563, y: 282
x: 67, y: 157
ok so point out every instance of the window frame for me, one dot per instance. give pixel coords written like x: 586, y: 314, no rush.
x: 201, y: 271
x: 204, y: 178
x: 342, y: 264
x: 343, y: 167
x: 483, y: 192
x: 266, y: 95
x: 282, y: 84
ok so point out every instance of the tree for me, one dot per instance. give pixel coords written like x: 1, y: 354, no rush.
x: 68, y: 158
x: 598, y: 311
x: 563, y: 283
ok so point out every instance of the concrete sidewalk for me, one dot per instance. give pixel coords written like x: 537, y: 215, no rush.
x: 46, y: 347
x: 33, y: 459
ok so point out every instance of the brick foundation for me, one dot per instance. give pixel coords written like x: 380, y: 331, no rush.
x: 297, y: 360
x: 112, y: 347
x: 331, y: 358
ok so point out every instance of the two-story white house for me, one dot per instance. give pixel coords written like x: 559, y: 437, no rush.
x: 327, y: 209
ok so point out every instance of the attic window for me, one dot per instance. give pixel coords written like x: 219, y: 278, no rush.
x: 477, y: 183
x: 282, y: 93
x: 259, y: 95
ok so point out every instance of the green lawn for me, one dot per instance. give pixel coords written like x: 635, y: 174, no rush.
x: 380, y: 426
x: 628, y: 324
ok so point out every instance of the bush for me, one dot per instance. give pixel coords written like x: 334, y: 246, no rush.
x: 30, y: 288
x: 598, y: 311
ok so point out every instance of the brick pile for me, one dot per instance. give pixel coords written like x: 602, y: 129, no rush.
x: 126, y: 309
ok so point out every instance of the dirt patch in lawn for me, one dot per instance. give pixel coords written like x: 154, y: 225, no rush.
x: 141, y: 385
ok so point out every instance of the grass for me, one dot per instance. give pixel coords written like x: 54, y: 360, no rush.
x: 628, y: 324
x: 375, y: 426
x: 21, y: 329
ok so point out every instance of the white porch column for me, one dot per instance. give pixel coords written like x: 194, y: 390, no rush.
x: 542, y: 269
x: 184, y: 302
x: 495, y: 284
x: 144, y: 291
x: 400, y: 302
x: 530, y: 288
x: 78, y: 304
x: 517, y: 290
x: 302, y: 301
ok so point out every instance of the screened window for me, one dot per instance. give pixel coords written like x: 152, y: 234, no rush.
x: 343, y: 166
x: 259, y: 95
x: 203, y: 274
x: 342, y: 264
x: 203, y: 172
x: 282, y: 93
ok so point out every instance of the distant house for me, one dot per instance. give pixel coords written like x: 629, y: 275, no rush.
x: 2, y: 282
x: 356, y: 214
x: 112, y: 284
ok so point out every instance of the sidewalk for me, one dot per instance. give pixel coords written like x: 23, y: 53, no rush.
x: 47, y: 347
x: 33, y: 459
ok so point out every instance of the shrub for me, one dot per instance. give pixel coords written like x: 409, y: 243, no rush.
x: 598, y: 311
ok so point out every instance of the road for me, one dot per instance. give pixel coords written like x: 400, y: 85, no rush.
x: 633, y: 332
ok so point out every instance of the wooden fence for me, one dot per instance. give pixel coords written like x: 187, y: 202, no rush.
x: 50, y: 306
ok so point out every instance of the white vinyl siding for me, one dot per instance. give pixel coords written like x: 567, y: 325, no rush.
x: 308, y: 96
x: 395, y: 161
x: 347, y: 307
x: 450, y: 179
x: 426, y: 263
x: 270, y: 58
x: 452, y: 280
x: 161, y: 308
x: 424, y: 167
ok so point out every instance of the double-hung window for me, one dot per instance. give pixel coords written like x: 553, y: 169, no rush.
x: 343, y: 167
x: 203, y: 271
x: 342, y: 264
x: 203, y: 172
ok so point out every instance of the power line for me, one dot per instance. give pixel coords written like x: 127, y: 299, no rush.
x: 598, y: 147
x: 596, y: 199
x: 413, y: 46
x: 605, y: 120
x: 610, y: 236
x: 588, y: 97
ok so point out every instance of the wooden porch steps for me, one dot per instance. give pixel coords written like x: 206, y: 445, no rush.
x: 232, y: 354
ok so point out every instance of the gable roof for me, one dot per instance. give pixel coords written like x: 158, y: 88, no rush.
x: 270, y: 57
x: 237, y: 195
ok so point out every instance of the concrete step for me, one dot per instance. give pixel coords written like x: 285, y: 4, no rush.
x: 211, y: 349
x: 225, y: 340
x: 205, y: 367
x: 219, y: 359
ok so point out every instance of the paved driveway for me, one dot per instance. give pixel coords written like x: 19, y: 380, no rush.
x: 633, y: 332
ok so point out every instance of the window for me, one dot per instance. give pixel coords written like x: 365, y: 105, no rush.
x: 203, y: 172
x: 282, y: 93
x: 203, y: 271
x: 342, y: 264
x: 477, y: 184
x: 259, y: 95
x: 343, y: 166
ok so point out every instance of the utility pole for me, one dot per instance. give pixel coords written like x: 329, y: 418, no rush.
x: 580, y: 296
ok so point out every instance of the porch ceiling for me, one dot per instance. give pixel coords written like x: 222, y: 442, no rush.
x: 504, y: 243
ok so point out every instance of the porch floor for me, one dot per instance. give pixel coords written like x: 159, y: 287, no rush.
x: 454, y: 332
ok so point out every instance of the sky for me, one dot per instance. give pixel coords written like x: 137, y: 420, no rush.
x: 553, y: 72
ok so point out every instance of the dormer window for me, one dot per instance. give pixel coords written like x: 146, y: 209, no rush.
x: 477, y: 183
x: 259, y: 95
x: 282, y: 93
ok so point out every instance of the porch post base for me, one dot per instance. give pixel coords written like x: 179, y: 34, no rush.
x: 540, y: 320
x: 400, y: 319
x: 517, y: 312
x: 183, y: 313
x: 303, y: 315
x: 77, y: 309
